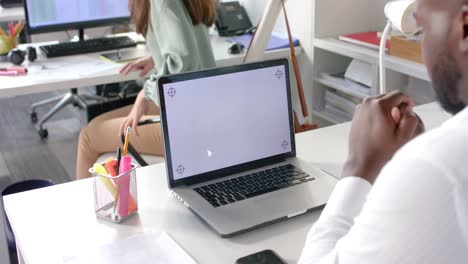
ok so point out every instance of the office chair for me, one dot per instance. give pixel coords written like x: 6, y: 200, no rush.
x: 17, y: 187
x: 70, y: 98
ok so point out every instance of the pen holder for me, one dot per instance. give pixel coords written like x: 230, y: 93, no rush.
x: 7, y: 44
x: 115, y: 197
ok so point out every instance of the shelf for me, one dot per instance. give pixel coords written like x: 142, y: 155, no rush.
x: 341, y: 89
x: 372, y: 56
x: 328, y: 117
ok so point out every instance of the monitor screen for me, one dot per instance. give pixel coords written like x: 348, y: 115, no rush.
x: 226, y: 120
x: 53, y: 15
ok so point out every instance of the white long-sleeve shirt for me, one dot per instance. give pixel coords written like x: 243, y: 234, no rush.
x: 416, y: 212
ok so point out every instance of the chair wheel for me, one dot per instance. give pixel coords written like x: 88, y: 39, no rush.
x: 34, y: 117
x: 43, y: 133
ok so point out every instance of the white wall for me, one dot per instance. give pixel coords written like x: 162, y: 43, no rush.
x: 301, y: 22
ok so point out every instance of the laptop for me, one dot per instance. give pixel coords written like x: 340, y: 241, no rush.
x: 230, y: 147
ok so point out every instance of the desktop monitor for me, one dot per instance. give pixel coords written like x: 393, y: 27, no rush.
x: 57, y: 15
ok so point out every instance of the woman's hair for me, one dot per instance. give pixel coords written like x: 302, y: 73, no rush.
x: 140, y: 11
x: 201, y: 11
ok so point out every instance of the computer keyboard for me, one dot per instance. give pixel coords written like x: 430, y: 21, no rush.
x: 251, y: 185
x: 87, y: 46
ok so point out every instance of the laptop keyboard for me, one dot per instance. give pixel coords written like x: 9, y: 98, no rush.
x: 251, y: 185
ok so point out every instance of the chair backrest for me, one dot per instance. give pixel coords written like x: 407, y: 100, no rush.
x: 17, y: 187
x: 4, y: 254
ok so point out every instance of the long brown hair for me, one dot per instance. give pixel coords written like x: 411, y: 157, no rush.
x: 200, y: 11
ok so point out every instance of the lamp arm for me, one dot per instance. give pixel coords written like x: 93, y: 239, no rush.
x: 256, y: 50
x: 383, y: 42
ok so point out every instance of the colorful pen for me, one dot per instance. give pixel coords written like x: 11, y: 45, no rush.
x: 19, y: 30
x: 21, y: 70
x: 9, y: 73
x: 124, y: 188
x: 127, y: 139
x: 119, y: 156
x: 18, y: 27
x: 11, y: 29
x: 110, y: 165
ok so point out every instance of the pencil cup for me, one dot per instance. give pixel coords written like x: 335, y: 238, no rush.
x: 7, y: 44
x: 115, y: 197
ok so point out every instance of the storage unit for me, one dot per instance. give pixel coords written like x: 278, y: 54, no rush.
x: 333, y: 18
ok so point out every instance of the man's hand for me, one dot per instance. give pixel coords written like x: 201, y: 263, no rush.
x: 380, y: 126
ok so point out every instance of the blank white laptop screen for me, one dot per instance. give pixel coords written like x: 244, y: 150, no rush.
x: 226, y: 120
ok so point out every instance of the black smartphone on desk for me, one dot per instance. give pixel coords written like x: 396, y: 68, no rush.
x: 262, y: 257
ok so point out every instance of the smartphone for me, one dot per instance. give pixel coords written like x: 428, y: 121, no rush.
x: 262, y: 257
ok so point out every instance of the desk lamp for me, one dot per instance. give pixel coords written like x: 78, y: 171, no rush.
x: 400, y: 16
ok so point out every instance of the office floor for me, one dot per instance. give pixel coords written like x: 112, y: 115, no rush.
x: 24, y: 155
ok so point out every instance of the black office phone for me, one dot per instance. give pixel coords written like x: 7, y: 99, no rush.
x: 11, y: 3
x: 232, y: 19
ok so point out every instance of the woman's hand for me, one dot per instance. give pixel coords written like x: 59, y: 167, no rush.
x: 139, y: 109
x: 145, y: 65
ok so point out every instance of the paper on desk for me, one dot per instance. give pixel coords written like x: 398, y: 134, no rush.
x: 100, y: 67
x: 149, y: 247
x: 40, y: 73
x: 80, y: 66
x: 67, y: 63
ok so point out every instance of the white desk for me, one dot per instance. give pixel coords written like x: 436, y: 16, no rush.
x: 11, y: 14
x: 89, y: 69
x: 58, y: 221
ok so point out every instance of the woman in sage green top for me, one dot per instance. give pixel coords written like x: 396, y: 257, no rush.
x: 177, y: 38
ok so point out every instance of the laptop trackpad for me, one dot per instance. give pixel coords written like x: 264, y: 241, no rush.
x: 256, y: 211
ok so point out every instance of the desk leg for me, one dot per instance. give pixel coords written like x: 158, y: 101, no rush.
x: 20, y: 256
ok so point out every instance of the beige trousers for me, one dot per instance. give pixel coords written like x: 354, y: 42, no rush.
x: 101, y: 135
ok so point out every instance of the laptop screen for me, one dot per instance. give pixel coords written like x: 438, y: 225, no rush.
x: 223, y: 120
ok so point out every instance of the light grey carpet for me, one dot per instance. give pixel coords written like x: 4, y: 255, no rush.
x: 24, y: 155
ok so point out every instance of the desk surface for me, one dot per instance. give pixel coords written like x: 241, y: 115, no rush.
x: 59, y: 221
x: 11, y: 14
x: 89, y: 69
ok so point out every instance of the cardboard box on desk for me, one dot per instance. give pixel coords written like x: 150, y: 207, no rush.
x: 406, y: 49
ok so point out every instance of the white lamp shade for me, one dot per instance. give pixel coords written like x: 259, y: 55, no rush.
x: 400, y: 13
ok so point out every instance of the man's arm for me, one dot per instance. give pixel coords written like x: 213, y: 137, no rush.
x: 381, y: 125
x: 408, y: 217
x: 336, y: 219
